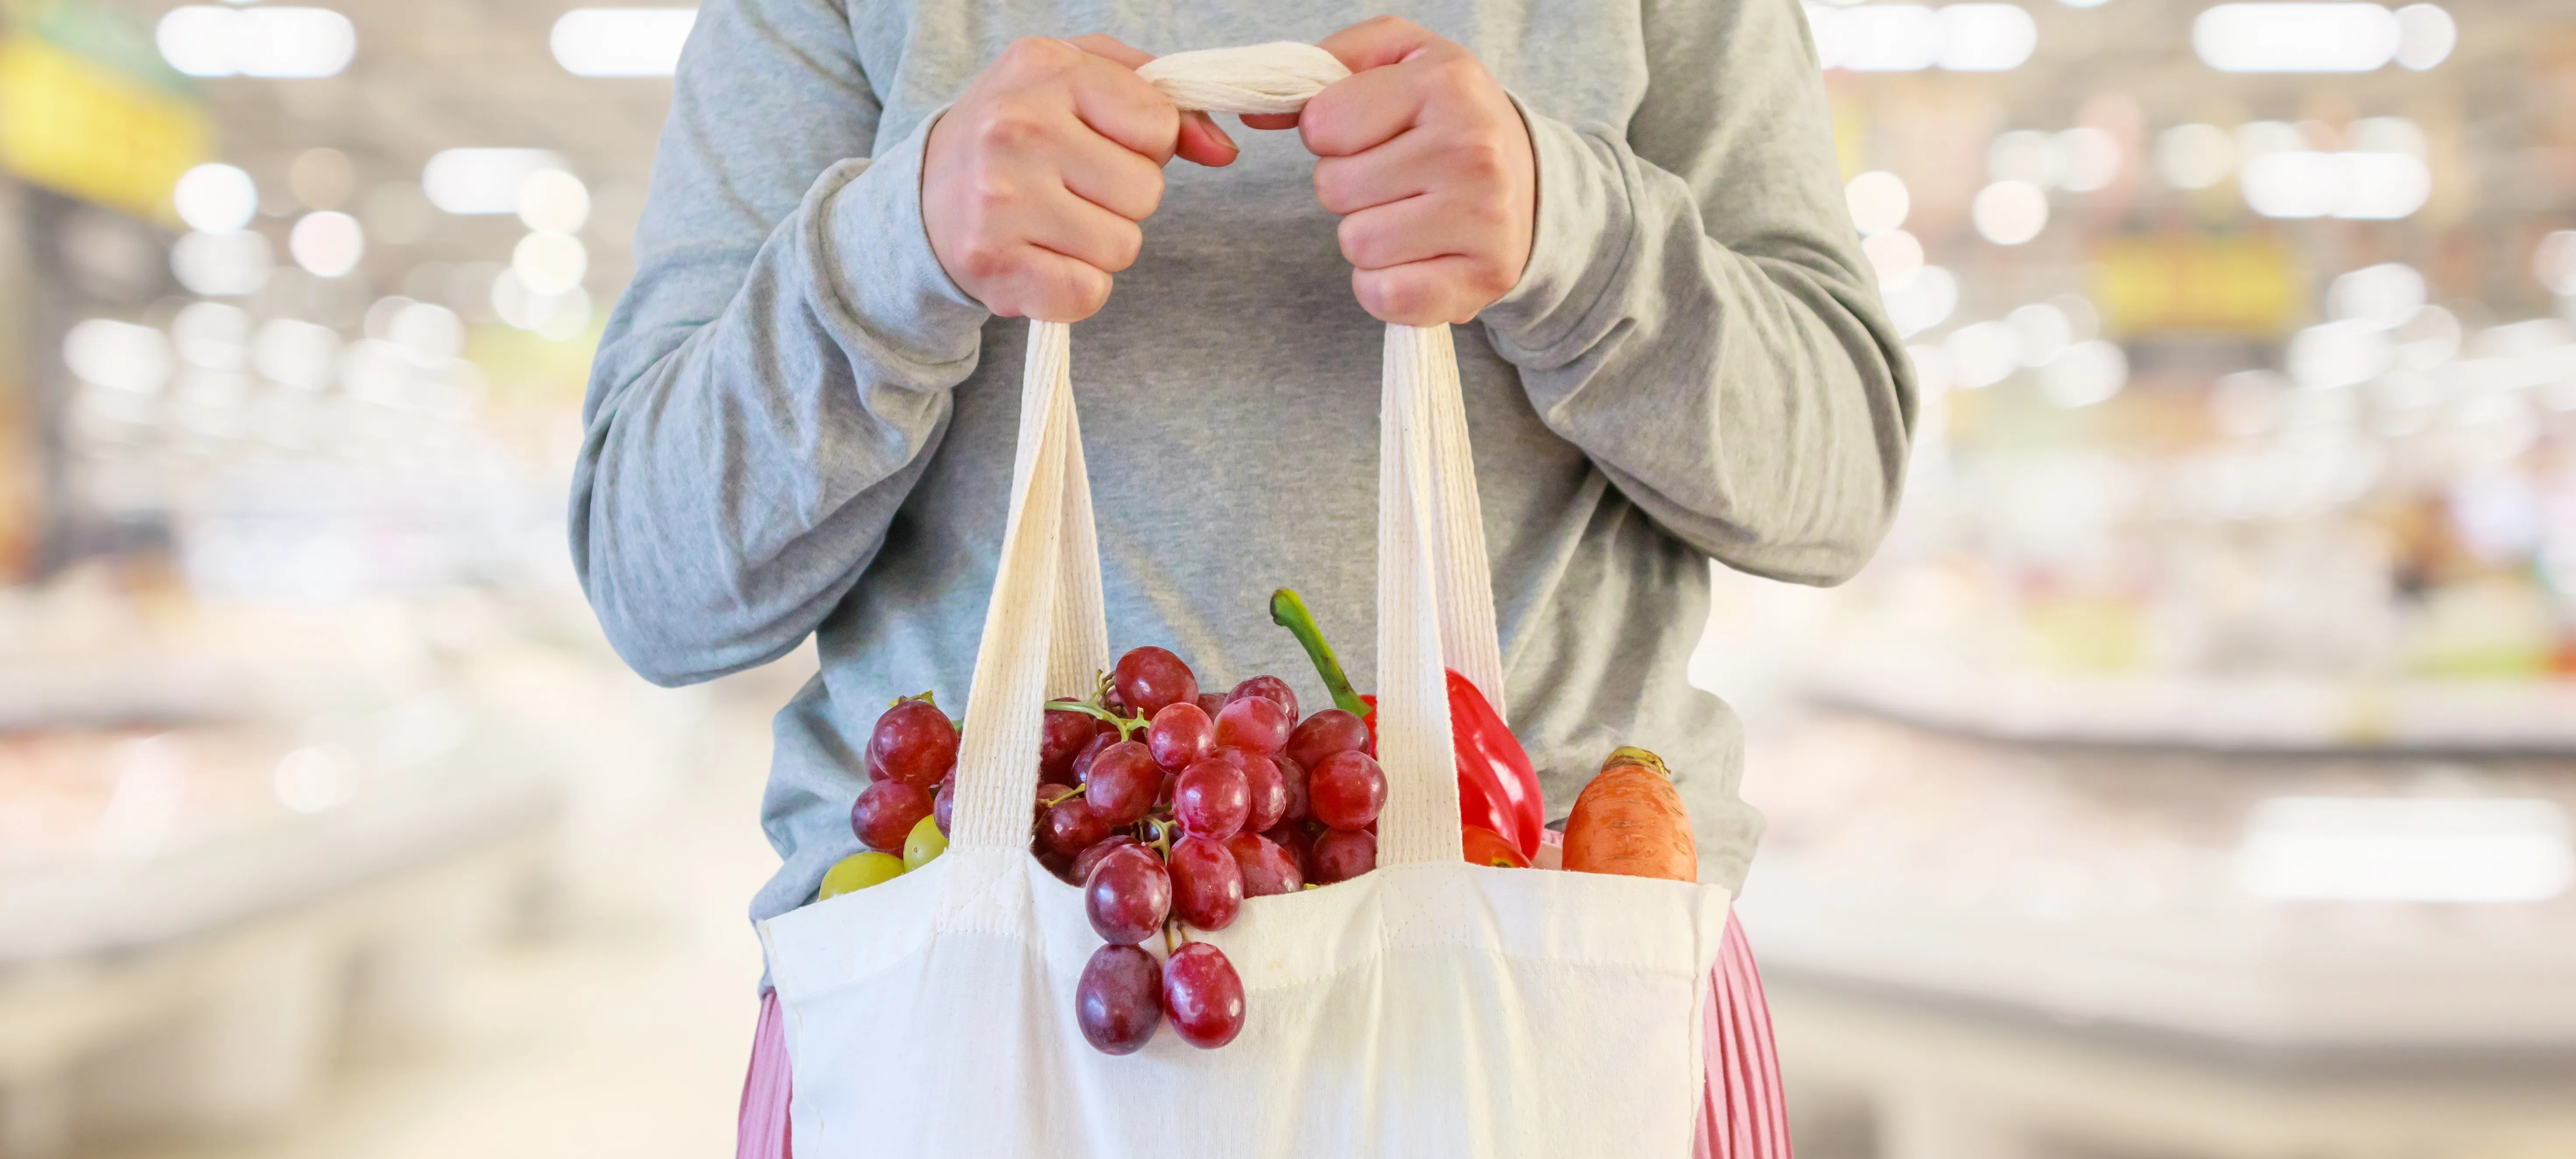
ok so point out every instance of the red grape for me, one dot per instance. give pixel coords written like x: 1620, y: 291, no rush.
x: 1085, y: 860
x: 1211, y: 703
x: 1268, y: 794
x: 1127, y: 896
x: 1181, y: 736
x: 1203, y: 996
x: 1212, y: 799
x: 913, y: 743
x: 1293, y: 840
x: 1163, y: 796
x: 1207, y: 886
x: 1059, y: 865
x: 1255, y: 724
x: 1149, y: 678
x: 1346, y: 791
x: 1067, y: 734
x: 1072, y: 827
x: 1121, y: 783
x: 1325, y: 733
x: 1267, y: 869
x: 943, y: 804
x: 885, y: 812
x: 1091, y: 750
x: 1269, y: 686
x: 1292, y: 776
x: 1119, y: 1001
x: 1340, y: 855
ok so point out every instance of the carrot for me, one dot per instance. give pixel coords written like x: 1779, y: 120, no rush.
x: 1630, y: 821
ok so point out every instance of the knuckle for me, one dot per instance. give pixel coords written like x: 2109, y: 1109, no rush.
x: 1360, y: 243
x: 987, y: 204
x: 982, y: 258
x: 1388, y: 299
x: 1459, y: 71
x: 1148, y: 193
x: 1332, y: 185
x: 1006, y: 131
x: 1084, y: 292
x: 1479, y: 158
x: 1390, y: 22
x: 1037, y: 54
x: 1126, y: 243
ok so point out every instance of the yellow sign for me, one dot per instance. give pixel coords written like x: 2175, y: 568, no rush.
x: 2156, y: 285
x: 81, y: 128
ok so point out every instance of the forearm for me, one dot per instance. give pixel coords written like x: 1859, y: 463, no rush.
x: 1747, y: 397
x: 740, y: 472
x: 1696, y: 313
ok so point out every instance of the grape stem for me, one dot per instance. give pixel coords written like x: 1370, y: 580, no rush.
x: 1127, y: 725
x: 1288, y: 611
x: 1076, y: 791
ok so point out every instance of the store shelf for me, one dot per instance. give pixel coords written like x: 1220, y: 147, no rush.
x: 93, y: 907
x: 2281, y: 714
x: 2295, y: 984
x: 2106, y: 887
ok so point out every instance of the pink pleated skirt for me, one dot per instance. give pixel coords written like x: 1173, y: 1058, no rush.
x: 1740, y: 1114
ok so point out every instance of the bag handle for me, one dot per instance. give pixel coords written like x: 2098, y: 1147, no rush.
x: 1045, y: 633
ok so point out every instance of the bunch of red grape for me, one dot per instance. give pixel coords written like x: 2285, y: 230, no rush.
x: 1168, y: 807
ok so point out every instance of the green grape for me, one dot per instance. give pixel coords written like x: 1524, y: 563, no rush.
x: 861, y: 870
x: 923, y: 844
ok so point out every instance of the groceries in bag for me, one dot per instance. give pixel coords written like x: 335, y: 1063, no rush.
x: 1498, y: 789
x: 1630, y: 821
x: 1169, y: 807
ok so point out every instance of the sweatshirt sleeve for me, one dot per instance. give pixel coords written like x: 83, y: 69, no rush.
x: 777, y: 374
x: 1696, y: 313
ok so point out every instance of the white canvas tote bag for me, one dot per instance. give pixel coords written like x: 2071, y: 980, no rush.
x: 1430, y: 1008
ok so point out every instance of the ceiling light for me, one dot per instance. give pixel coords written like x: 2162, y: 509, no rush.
x: 265, y: 41
x: 2295, y: 37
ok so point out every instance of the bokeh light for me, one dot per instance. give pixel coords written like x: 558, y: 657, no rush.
x: 2195, y: 156
x: 553, y: 201
x: 477, y: 181
x: 1896, y: 256
x: 549, y: 263
x: 2010, y: 212
x: 328, y: 243
x: 215, y: 198
x: 222, y: 264
x: 1878, y: 201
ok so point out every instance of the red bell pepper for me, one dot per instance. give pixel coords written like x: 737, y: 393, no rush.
x: 1497, y: 788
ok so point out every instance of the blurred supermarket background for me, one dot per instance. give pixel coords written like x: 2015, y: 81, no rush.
x: 2191, y: 776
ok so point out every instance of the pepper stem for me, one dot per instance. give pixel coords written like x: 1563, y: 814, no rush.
x: 1288, y: 611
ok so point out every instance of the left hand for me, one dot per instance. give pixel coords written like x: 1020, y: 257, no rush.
x: 1430, y: 166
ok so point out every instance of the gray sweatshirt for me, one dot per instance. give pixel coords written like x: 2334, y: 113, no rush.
x: 798, y: 424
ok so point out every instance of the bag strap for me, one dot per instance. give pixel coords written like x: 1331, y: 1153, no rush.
x: 1044, y: 630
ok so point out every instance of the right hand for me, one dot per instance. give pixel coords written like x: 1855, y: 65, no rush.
x: 1033, y: 182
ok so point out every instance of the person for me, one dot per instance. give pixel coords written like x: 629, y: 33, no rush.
x: 802, y: 413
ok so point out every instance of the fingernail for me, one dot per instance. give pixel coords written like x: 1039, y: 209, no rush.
x: 1218, y: 131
